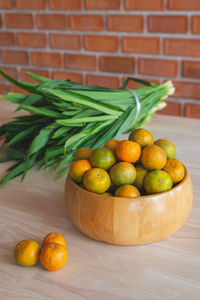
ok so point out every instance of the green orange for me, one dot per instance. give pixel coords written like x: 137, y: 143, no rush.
x: 140, y: 174
x: 97, y: 180
x: 153, y: 158
x: 103, y: 158
x: 141, y: 136
x: 78, y: 169
x: 175, y: 169
x: 123, y: 173
x: 83, y: 153
x: 127, y: 190
x: 167, y: 147
x: 157, y: 181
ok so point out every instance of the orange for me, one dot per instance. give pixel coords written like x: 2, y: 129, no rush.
x: 140, y: 174
x: 97, y: 180
x: 106, y: 194
x: 153, y: 158
x: 83, y: 153
x: 111, y: 144
x: 175, y: 169
x: 157, y: 181
x: 78, y: 169
x: 54, y: 237
x: 141, y: 136
x: 127, y: 190
x: 122, y: 173
x: 167, y: 147
x: 103, y: 158
x: 53, y: 257
x: 27, y: 253
x: 128, y: 151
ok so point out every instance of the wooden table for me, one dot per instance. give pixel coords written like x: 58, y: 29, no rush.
x: 169, y: 269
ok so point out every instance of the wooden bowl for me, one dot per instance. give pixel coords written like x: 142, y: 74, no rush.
x: 129, y: 221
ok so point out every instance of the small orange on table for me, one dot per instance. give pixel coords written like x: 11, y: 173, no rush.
x: 127, y: 190
x: 167, y: 147
x: 97, y: 180
x: 111, y: 144
x: 27, y: 253
x: 53, y: 257
x: 78, y: 169
x: 103, y: 158
x: 54, y: 237
x: 128, y: 151
x: 153, y: 158
x: 83, y: 153
x: 141, y: 136
x: 175, y: 169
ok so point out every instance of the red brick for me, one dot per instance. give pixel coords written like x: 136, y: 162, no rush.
x: 192, y: 110
x: 158, y: 67
x: 0, y: 21
x: 117, y: 64
x: 185, y: 47
x: 191, y: 69
x: 65, y: 4
x: 187, y: 89
x: 168, y: 24
x: 3, y: 88
x: 146, y: 45
x: 27, y: 78
x: 14, y: 20
x: 46, y: 59
x: 87, y: 22
x: 196, y: 24
x: 52, y: 21
x: 10, y: 71
x: 81, y: 61
x: 6, y: 4
x: 105, y: 81
x: 7, y: 39
x: 184, y: 5
x: 133, y: 85
x: 144, y: 4
x: 173, y: 108
x: 101, y: 43
x: 61, y: 75
x: 30, y: 39
x: 65, y: 41
x: 128, y: 23
x: 15, y: 57
x: 35, y: 4
x: 103, y: 4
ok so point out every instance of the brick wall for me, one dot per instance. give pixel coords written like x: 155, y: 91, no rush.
x: 103, y: 41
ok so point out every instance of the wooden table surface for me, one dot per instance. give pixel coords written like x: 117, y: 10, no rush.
x: 169, y: 269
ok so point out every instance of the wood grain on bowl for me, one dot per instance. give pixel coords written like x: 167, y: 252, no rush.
x: 129, y: 221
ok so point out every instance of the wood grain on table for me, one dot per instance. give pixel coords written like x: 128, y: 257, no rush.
x: 169, y: 269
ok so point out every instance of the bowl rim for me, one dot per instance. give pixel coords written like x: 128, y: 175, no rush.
x: 138, y: 197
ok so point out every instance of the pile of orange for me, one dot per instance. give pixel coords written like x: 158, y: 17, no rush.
x: 128, y: 168
x: 52, y: 255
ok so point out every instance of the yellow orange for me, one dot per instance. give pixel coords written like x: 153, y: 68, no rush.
x: 141, y: 136
x: 127, y: 191
x: 175, y: 169
x: 53, y: 257
x: 78, y: 169
x: 97, y: 180
x: 153, y: 158
x: 27, y: 252
x: 128, y: 151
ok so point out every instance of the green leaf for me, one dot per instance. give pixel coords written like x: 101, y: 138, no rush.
x: 85, y: 101
x: 42, y: 111
x: 31, y: 99
x: 15, y: 98
x: 22, y: 135
x: 40, y: 140
x: 86, y: 120
x: 147, y: 83
x: 37, y: 77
